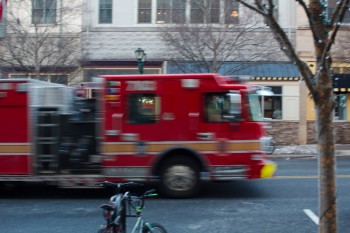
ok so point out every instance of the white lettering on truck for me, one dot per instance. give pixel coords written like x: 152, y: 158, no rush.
x: 141, y: 86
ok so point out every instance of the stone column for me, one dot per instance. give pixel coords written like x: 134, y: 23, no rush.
x: 302, y: 113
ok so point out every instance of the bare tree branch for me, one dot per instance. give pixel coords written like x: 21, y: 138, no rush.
x: 41, y: 48
x: 336, y: 21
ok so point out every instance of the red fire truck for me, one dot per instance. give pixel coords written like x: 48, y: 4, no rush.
x: 177, y: 130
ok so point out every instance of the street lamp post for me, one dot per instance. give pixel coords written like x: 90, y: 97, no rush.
x: 140, y: 57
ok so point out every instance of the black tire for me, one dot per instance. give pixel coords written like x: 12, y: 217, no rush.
x: 156, y: 228
x: 179, y: 177
x: 109, y: 230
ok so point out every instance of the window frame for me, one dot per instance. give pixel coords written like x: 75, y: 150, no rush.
x: 144, y: 9
x: 188, y: 12
x: 229, y: 12
x: 170, y: 11
x: 48, y: 15
x: 196, y: 15
x: 101, y: 9
x: 262, y: 99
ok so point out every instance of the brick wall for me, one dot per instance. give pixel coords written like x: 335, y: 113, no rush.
x: 286, y: 132
x: 341, y: 128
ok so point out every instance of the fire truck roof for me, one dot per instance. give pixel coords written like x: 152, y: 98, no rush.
x: 221, y: 80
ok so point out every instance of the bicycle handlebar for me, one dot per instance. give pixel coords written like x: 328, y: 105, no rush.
x: 125, y: 200
x: 134, y: 198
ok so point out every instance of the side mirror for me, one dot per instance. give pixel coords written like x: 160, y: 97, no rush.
x: 233, y: 111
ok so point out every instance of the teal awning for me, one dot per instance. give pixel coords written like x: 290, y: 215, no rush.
x: 284, y: 70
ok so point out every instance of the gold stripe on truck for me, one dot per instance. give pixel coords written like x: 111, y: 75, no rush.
x: 153, y: 147
x: 15, y: 148
x: 242, y: 146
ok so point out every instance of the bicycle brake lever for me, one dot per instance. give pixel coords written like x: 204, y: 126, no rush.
x: 151, y: 193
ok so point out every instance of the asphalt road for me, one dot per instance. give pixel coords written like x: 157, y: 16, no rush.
x: 283, y: 204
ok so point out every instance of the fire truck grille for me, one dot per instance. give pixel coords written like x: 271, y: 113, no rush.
x: 229, y: 172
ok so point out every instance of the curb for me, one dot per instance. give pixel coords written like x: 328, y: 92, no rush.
x: 292, y: 156
x: 339, y: 153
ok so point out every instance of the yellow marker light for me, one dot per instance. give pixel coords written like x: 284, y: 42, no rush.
x: 268, y: 170
x: 112, y: 97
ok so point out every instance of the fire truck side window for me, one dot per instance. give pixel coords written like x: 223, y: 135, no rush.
x: 216, y: 104
x: 143, y: 108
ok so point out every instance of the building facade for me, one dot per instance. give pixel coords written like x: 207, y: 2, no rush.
x: 341, y: 76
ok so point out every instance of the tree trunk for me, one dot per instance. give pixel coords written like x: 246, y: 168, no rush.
x: 326, y: 159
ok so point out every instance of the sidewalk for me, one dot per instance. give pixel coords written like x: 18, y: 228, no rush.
x: 306, y: 151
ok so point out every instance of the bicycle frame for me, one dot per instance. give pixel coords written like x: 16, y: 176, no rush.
x: 138, y: 225
x: 126, y: 206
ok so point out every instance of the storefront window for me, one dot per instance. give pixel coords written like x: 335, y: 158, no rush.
x: 340, y: 108
x: 341, y: 85
x: 271, y: 102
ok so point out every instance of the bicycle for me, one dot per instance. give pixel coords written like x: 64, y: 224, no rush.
x: 123, y: 205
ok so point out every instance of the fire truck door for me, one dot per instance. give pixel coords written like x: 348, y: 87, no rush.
x: 180, y: 116
x: 15, y: 146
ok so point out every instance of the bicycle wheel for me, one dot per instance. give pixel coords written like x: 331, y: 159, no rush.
x: 153, y: 228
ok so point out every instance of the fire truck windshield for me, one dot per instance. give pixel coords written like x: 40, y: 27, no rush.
x: 255, y: 108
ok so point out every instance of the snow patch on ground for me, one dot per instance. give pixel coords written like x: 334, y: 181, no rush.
x: 297, y: 149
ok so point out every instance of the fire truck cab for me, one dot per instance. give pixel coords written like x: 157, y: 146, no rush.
x: 177, y: 130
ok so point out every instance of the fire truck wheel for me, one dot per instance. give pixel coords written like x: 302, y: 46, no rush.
x: 179, y: 178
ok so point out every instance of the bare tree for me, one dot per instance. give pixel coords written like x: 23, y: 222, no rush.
x: 42, y: 41
x: 324, y: 31
x: 217, y: 41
